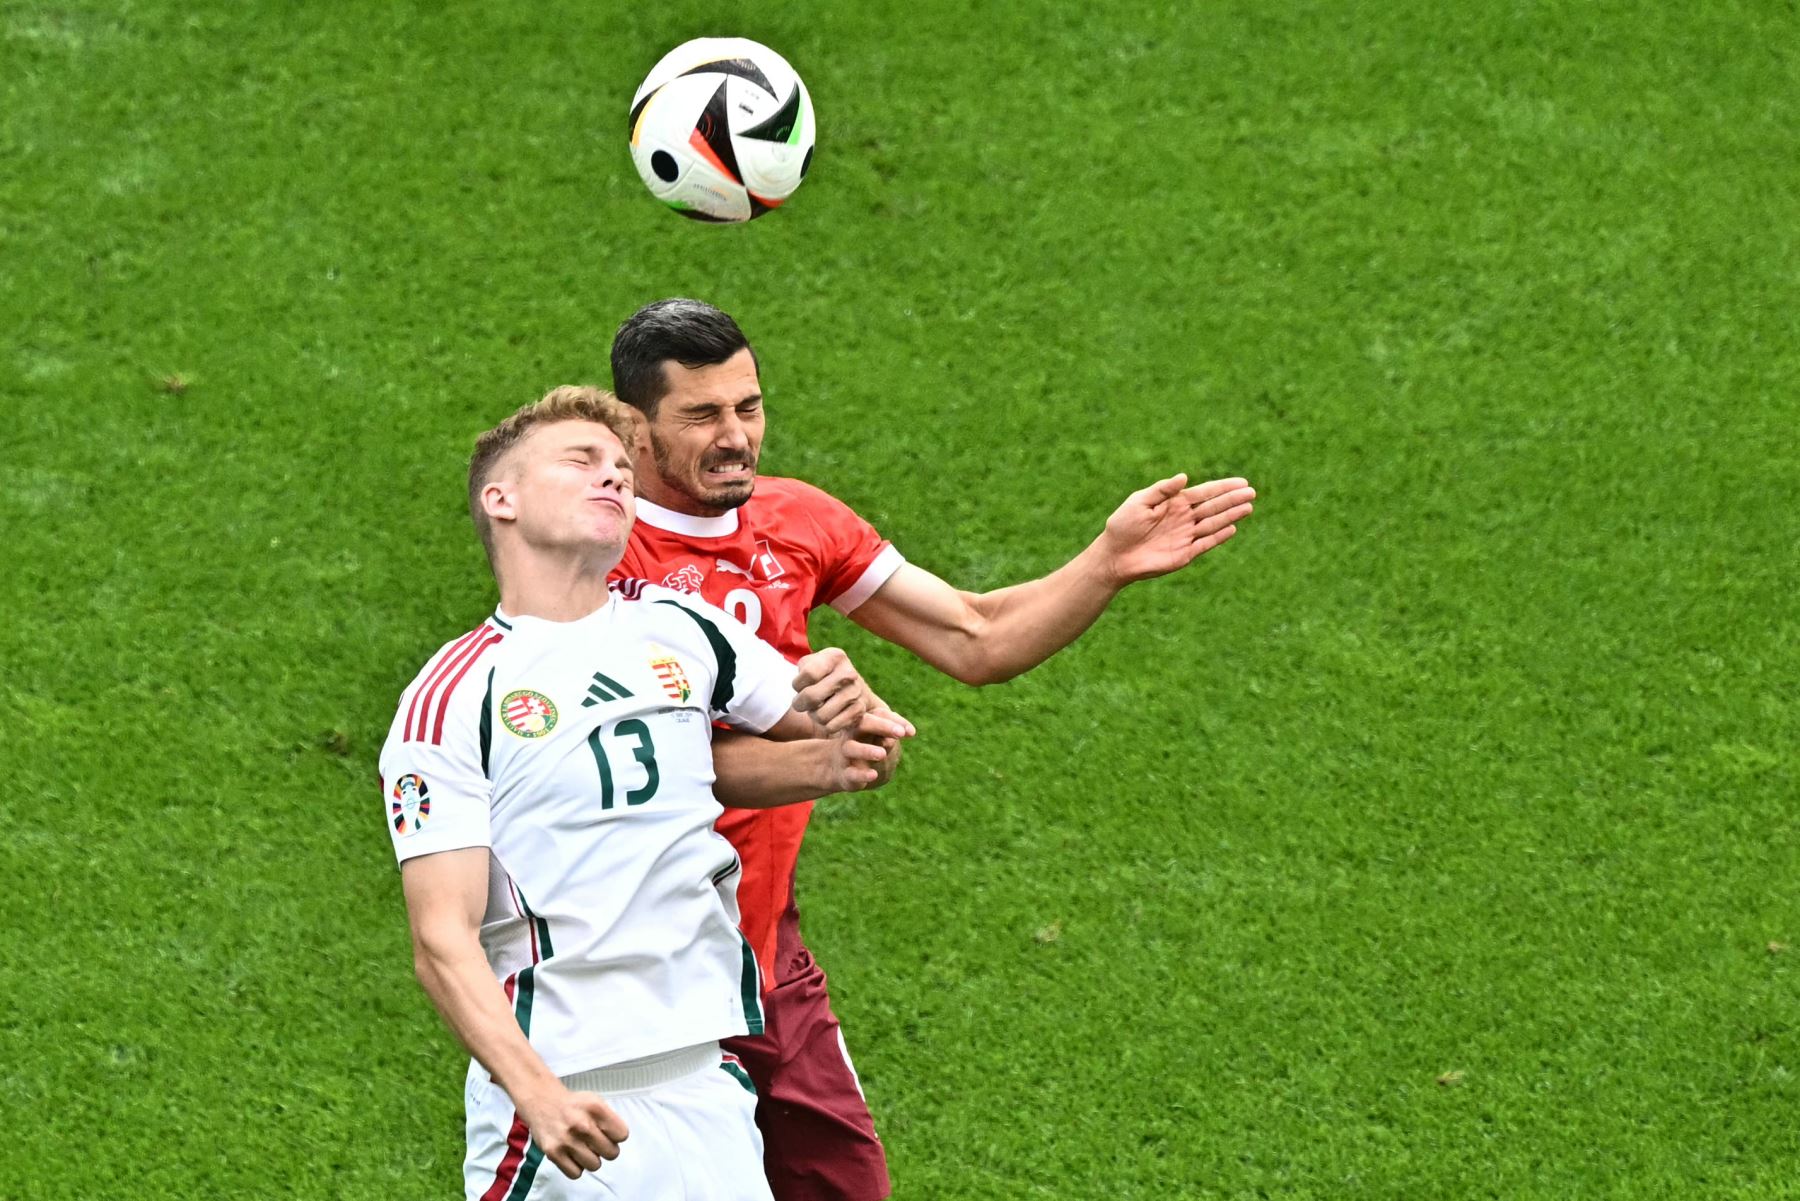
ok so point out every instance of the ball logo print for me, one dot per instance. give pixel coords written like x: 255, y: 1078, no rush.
x: 410, y: 805
x: 722, y: 130
x: 527, y: 713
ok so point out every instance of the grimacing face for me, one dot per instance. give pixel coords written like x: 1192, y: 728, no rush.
x: 706, y: 437
x: 566, y: 484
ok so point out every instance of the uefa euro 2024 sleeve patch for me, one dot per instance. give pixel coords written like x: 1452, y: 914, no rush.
x: 410, y: 805
x: 528, y: 714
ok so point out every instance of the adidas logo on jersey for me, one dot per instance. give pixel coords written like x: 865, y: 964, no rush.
x: 604, y: 688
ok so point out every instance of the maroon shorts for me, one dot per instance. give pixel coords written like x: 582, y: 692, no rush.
x: 819, y: 1142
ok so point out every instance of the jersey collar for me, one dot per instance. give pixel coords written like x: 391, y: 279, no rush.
x: 654, y: 515
x: 511, y: 622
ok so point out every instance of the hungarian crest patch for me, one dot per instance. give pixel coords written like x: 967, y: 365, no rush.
x: 527, y: 713
x: 674, y: 679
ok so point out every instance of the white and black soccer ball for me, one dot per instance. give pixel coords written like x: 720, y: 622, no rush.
x: 722, y: 129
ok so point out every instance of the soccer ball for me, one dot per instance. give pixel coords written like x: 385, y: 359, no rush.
x: 722, y: 129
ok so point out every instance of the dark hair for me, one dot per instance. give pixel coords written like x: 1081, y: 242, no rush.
x: 690, y: 332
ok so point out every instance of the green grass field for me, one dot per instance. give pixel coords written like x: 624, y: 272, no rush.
x: 1434, y: 839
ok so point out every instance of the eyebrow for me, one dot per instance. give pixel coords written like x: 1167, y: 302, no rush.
x: 593, y: 450
x: 709, y: 406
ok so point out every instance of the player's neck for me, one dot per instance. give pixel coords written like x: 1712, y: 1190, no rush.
x: 652, y: 489
x: 554, y: 587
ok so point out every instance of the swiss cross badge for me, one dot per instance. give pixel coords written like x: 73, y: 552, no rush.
x: 688, y: 579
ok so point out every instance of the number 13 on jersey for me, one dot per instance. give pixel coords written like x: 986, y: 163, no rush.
x: 629, y: 737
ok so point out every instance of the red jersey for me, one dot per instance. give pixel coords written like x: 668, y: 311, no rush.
x: 770, y: 562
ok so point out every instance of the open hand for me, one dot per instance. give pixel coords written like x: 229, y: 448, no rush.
x: 1168, y: 525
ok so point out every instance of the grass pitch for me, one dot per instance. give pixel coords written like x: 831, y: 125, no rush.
x: 1433, y: 839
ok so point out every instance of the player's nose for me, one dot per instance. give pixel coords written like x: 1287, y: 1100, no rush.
x: 732, y: 434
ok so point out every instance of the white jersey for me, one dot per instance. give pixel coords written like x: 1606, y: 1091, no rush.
x: 580, y: 753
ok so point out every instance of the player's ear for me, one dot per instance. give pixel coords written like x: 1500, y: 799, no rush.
x: 498, y: 502
x: 639, y: 447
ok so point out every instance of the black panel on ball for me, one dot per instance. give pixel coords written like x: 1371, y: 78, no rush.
x: 743, y: 68
x: 697, y: 215
x: 715, y: 129
x: 665, y: 166
x: 779, y: 125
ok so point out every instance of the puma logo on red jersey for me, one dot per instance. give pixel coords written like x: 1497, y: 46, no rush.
x: 763, y: 563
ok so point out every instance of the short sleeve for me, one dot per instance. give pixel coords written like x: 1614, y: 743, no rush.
x: 855, y: 559
x: 753, y: 683
x: 435, y: 790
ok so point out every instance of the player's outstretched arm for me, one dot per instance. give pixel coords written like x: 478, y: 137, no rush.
x: 753, y: 772
x: 984, y: 638
x: 446, y: 896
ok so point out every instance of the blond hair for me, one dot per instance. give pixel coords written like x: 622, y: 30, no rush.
x: 571, y: 402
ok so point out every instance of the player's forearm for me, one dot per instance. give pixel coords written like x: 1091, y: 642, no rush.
x: 460, y: 984
x: 756, y: 773
x: 1021, y: 626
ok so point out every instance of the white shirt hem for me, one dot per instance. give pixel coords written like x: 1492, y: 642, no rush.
x: 873, y: 577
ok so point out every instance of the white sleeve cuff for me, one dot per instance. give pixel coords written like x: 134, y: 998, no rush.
x: 452, y: 840
x: 873, y: 577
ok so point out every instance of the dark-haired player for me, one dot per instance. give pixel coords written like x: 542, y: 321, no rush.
x: 768, y: 551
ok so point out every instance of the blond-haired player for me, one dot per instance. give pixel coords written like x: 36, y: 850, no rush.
x: 549, y: 781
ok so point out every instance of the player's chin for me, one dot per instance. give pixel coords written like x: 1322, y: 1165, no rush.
x: 728, y: 494
x: 609, y: 529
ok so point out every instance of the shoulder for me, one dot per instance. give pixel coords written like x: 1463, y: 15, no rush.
x: 631, y: 588
x: 452, y: 661
x: 659, y: 605
x: 666, y: 621
x: 781, y: 493
x: 634, y: 593
x: 458, y: 666
x: 795, y: 507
